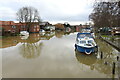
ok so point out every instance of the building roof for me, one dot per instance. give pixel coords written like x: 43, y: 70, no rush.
x: 7, y: 23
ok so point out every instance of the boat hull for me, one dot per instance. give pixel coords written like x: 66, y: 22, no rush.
x: 86, y: 50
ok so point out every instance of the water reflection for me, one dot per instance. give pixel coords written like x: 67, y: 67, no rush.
x: 59, y: 34
x: 105, y: 64
x: 40, y: 51
x: 117, y: 41
x: 101, y: 65
x: 88, y: 60
x: 24, y: 37
x: 47, y: 35
x: 32, y: 38
x: 10, y: 41
x: 30, y: 50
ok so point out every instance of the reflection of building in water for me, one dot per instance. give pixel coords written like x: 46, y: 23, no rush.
x: 24, y: 37
x: 50, y: 34
x: 30, y: 48
x: 33, y: 38
x: 67, y: 33
x: 47, y: 35
x: 59, y: 34
x: 14, y: 40
x: 9, y: 41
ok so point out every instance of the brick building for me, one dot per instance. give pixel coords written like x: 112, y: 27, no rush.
x: 59, y: 26
x: 9, y: 27
x: 34, y: 28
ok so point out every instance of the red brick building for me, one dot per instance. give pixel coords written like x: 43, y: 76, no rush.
x: 34, y: 28
x: 8, y: 26
x: 11, y: 27
x: 20, y: 27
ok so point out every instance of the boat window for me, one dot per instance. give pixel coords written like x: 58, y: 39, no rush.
x: 85, y: 35
x: 82, y: 42
x: 90, y: 41
x: 88, y: 44
x: 88, y: 35
x: 82, y: 35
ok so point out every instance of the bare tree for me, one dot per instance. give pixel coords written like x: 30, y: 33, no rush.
x: 106, y: 14
x: 28, y: 15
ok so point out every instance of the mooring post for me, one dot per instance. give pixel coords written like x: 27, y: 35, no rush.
x: 101, y: 55
x: 117, y: 58
x: 113, y: 68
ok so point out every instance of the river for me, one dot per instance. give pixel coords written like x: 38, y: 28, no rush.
x: 53, y: 55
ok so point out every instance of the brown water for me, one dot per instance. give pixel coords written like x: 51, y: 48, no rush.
x: 52, y: 55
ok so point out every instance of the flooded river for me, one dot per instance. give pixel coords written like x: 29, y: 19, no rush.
x: 52, y: 55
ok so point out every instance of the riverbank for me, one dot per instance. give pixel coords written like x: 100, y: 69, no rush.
x: 112, y: 40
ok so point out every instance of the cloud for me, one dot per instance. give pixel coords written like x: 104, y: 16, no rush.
x: 7, y: 13
x: 50, y: 10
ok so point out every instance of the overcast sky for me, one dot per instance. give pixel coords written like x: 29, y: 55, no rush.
x: 54, y: 11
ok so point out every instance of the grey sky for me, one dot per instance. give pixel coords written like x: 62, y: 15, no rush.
x: 50, y: 10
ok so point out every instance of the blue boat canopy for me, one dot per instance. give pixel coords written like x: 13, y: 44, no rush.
x: 82, y: 35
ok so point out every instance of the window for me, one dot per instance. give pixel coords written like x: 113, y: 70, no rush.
x: 90, y: 41
x: 22, y: 26
x: 82, y: 35
x: 13, y: 26
x: 82, y: 42
x: 37, y: 29
x: 37, y: 26
x: 88, y: 35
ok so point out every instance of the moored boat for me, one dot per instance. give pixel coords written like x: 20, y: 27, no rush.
x: 85, y: 43
x: 24, y: 33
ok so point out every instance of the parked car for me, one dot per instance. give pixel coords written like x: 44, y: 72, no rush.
x: 116, y: 31
x: 105, y: 30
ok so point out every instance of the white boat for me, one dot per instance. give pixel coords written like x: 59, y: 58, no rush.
x: 23, y: 33
x: 42, y: 32
x: 85, y: 43
x: 25, y: 37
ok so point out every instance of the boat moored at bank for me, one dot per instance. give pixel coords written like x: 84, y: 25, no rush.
x: 85, y: 43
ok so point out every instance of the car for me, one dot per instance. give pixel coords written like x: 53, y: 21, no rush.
x: 105, y: 30
x: 116, y: 31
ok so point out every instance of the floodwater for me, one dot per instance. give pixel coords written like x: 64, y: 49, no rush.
x: 52, y: 55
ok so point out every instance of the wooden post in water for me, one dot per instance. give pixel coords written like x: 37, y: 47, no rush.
x: 101, y: 56
x: 113, y: 68
x: 117, y: 58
